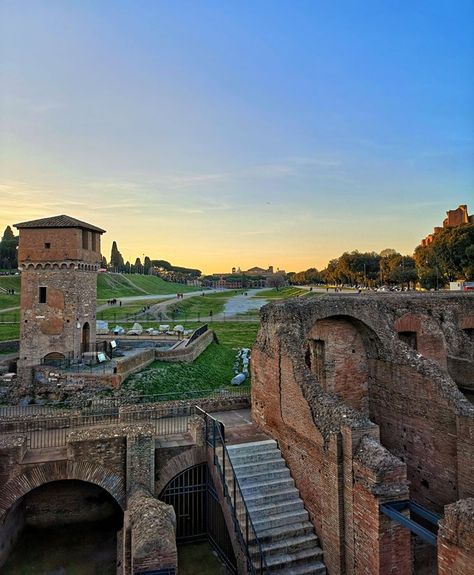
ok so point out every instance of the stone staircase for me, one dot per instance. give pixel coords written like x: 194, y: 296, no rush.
x: 281, y: 522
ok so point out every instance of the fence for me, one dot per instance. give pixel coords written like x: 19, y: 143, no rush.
x: 52, y: 432
x: 243, y: 525
x: 101, y: 404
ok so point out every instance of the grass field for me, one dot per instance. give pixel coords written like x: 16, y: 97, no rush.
x: 6, y: 300
x: 110, y: 286
x: 115, y: 313
x: 9, y: 331
x: 281, y: 293
x: 203, y: 304
x: 212, y: 369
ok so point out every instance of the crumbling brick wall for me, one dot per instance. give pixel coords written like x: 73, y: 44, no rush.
x: 364, y: 383
x: 456, y: 539
x: 152, y: 527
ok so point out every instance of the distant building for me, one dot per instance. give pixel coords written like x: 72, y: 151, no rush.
x: 455, y: 218
x: 255, y: 277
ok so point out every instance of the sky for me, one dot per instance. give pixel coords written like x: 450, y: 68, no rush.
x: 229, y: 133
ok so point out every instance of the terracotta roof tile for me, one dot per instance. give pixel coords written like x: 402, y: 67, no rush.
x: 61, y: 221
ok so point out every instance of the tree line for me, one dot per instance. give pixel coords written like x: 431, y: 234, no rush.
x: 161, y: 267
x: 450, y: 257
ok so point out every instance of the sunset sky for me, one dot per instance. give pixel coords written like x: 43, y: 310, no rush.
x: 238, y: 133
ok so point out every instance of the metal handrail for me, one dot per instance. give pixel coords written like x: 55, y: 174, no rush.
x: 219, y: 434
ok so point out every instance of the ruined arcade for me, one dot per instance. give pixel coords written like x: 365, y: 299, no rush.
x: 362, y: 393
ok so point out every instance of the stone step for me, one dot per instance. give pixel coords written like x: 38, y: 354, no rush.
x: 279, y: 520
x: 242, y: 459
x: 268, y: 487
x: 289, y: 544
x: 274, y: 534
x: 310, y: 568
x: 258, y: 499
x: 264, y: 476
x: 254, y: 447
x: 258, y: 467
x: 277, y: 509
x: 295, y: 559
x: 277, y: 513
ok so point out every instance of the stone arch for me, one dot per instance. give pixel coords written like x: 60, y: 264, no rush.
x: 72, y: 266
x: 55, y: 266
x: 47, y: 266
x: 339, y: 352
x: 177, y: 465
x: 37, y: 476
x: 423, y: 334
x: 30, y: 267
x: 54, y: 358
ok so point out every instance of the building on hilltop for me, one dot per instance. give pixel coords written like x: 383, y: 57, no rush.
x: 455, y: 218
x: 59, y: 258
x: 255, y: 277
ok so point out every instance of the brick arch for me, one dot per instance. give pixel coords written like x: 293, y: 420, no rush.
x: 338, y: 354
x: 430, y: 340
x: 37, y: 476
x: 177, y: 465
x: 467, y: 322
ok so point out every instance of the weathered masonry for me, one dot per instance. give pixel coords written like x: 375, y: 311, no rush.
x: 162, y: 490
x: 58, y: 258
x: 365, y: 395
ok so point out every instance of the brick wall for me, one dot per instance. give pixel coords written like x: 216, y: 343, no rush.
x: 69, y: 502
x: 456, y: 539
x: 321, y: 413
x: 152, y: 526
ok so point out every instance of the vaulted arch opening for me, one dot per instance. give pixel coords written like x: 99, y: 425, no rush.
x: 60, y: 525
x: 338, y: 352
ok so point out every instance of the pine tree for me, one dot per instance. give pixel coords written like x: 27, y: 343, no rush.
x: 8, y: 245
x: 116, y: 259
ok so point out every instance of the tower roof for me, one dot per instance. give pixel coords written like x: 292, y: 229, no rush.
x: 61, y: 221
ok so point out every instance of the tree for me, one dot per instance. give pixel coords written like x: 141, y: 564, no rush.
x: 449, y: 257
x: 137, y: 267
x: 147, y: 265
x: 8, y: 250
x: 116, y: 259
x: 276, y: 281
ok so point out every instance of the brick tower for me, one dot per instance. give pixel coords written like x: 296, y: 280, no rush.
x: 58, y: 258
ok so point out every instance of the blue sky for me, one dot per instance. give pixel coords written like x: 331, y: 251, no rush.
x: 215, y: 134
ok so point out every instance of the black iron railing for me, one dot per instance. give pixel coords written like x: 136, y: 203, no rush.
x: 99, y: 404
x: 52, y: 431
x: 243, y: 525
x: 197, y: 333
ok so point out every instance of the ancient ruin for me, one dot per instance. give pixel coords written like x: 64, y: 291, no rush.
x: 359, y: 459
x: 362, y: 393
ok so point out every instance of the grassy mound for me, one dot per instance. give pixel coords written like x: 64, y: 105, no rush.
x: 212, y: 369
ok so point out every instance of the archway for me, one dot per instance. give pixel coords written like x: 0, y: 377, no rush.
x: 86, y: 337
x: 338, y: 353
x: 60, y: 523
x: 199, y: 515
x: 54, y: 358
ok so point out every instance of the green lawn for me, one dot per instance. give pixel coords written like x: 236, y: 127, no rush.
x: 281, y: 293
x: 212, y: 369
x: 8, y: 316
x: 110, y: 286
x: 6, y: 300
x: 115, y: 313
x: 202, y: 305
x: 9, y: 331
